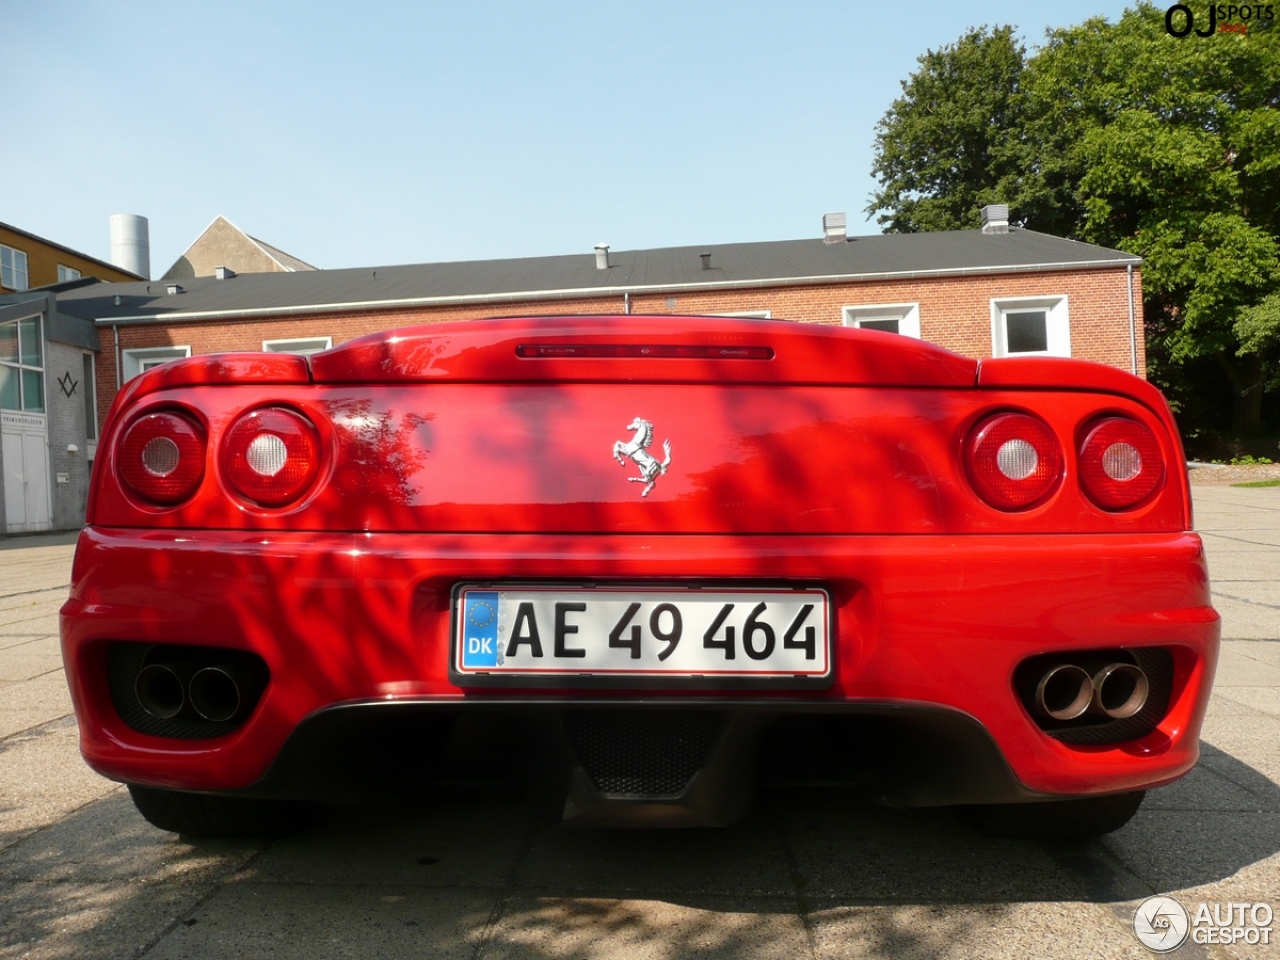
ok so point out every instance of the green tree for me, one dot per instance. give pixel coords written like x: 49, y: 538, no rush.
x: 1122, y: 135
x: 942, y: 150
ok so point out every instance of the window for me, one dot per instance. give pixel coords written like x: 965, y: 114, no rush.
x: 67, y: 273
x: 13, y: 268
x: 301, y: 345
x: 901, y: 318
x: 140, y: 361
x: 1030, y: 327
x: 22, y: 366
x: 90, y: 399
x: 748, y: 314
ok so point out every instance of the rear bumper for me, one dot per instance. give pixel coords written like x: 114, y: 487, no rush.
x: 933, y: 623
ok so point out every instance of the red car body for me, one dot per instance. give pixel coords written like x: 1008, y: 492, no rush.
x: 837, y: 460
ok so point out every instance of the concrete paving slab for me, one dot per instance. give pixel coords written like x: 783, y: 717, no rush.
x: 1251, y: 740
x: 28, y: 666
x: 1244, y: 621
x: 1001, y: 931
x: 45, y: 625
x: 305, y: 921
x: 1264, y: 651
x: 744, y: 860
x: 596, y: 929
x: 89, y: 921
x: 46, y: 693
x: 43, y: 778
x: 1203, y: 789
x: 1262, y: 699
x: 460, y: 843
x: 9, y: 641
x: 109, y: 840
x: 855, y: 851
x: 1237, y: 670
x: 1175, y: 850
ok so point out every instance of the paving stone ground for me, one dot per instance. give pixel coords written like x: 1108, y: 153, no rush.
x: 808, y: 874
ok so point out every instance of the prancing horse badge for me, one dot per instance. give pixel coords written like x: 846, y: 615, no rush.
x: 637, y: 449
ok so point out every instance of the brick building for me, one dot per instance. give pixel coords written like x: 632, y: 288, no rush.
x: 47, y: 406
x: 990, y: 292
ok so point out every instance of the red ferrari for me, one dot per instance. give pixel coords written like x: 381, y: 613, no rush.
x: 645, y: 561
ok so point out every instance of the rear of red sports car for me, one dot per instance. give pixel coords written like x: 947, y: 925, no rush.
x: 650, y: 559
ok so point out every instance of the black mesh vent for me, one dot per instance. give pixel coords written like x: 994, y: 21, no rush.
x: 126, y: 660
x: 640, y: 753
x: 1155, y: 662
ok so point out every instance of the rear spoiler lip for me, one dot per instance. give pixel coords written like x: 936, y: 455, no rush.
x: 488, y: 352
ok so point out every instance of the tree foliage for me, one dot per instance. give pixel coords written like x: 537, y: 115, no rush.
x: 1122, y: 135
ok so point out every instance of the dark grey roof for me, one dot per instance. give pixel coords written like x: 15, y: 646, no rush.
x: 733, y: 265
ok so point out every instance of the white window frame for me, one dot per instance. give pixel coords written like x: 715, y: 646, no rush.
x: 748, y: 314
x: 14, y: 254
x: 90, y: 376
x: 907, y: 315
x: 143, y: 359
x: 19, y: 366
x: 66, y: 273
x: 1057, y: 324
x: 296, y: 345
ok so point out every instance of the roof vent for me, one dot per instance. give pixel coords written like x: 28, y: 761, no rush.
x: 602, y: 256
x: 835, y: 227
x: 223, y: 273
x: 173, y: 289
x: 995, y: 218
x: 706, y: 260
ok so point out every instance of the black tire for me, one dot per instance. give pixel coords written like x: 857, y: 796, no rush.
x: 207, y: 815
x: 1076, y: 819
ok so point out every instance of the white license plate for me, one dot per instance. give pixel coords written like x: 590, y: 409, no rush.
x: 552, y: 631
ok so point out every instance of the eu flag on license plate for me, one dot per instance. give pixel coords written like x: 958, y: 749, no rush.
x: 480, y: 629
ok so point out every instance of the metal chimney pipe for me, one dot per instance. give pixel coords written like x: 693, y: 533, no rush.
x: 602, y: 256
x: 131, y: 243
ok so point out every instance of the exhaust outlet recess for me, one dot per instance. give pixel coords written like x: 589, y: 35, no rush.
x: 160, y: 691
x: 215, y: 694
x: 1120, y: 690
x: 1065, y: 692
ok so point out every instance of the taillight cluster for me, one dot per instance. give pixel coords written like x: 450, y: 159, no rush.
x: 1014, y: 461
x: 269, y: 457
x: 162, y: 457
x: 1120, y: 463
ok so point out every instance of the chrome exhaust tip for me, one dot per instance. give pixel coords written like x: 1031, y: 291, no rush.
x: 159, y: 691
x: 215, y: 694
x: 1120, y: 690
x: 1065, y: 692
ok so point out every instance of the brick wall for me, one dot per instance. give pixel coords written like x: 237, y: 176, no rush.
x: 955, y: 312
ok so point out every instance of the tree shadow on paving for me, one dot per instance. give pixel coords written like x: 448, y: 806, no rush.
x: 483, y: 868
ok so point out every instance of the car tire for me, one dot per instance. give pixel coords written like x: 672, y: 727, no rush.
x: 206, y: 815
x: 1076, y: 819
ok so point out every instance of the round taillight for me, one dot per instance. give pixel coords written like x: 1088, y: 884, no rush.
x: 270, y: 456
x: 161, y: 457
x: 1013, y: 460
x: 1120, y: 463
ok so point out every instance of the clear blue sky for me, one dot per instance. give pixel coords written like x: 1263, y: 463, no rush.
x: 356, y: 134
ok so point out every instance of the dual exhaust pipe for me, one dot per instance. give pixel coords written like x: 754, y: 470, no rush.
x: 216, y: 692
x: 1114, y: 690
